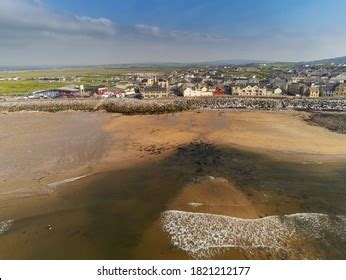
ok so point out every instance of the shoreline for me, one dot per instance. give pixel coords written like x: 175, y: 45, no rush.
x: 175, y: 105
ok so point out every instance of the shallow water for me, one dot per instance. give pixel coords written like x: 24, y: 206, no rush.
x: 106, y: 216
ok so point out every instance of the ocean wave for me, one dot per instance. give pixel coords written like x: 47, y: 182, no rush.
x: 22, y: 192
x: 49, y: 189
x: 203, y: 236
x: 52, y: 187
x: 5, y: 226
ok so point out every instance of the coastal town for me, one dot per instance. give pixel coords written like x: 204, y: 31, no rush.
x: 179, y: 139
x: 255, y: 80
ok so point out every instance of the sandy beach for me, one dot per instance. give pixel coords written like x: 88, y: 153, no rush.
x: 63, y: 172
x: 36, y: 143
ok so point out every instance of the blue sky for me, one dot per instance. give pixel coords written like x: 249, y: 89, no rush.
x: 219, y: 16
x: 111, y: 31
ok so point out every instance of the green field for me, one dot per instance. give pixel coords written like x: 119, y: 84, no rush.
x: 25, y: 87
x: 28, y: 86
x: 90, y: 72
x: 88, y: 77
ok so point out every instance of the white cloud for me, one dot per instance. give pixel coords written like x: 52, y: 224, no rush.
x: 181, y: 35
x: 34, y: 16
x: 34, y: 33
x: 148, y: 30
x: 156, y: 32
x: 23, y: 22
x: 102, y: 21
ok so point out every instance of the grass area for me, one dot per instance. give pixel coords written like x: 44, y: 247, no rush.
x: 90, y: 72
x: 25, y: 87
x: 28, y: 86
x: 88, y: 77
x: 280, y: 65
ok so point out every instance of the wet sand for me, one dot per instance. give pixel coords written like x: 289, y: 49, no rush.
x: 101, y: 186
x: 40, y: 148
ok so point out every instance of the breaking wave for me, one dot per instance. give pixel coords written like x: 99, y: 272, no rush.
x: 50, y: 189
x: 5, y: 226
x: 54, y: 186
x: 203, y: 236
x: 23, y: 192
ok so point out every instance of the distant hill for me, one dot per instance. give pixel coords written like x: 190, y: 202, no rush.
x: 148, y: 65
x: 234, y: 62
x: 189, y: 64
x: 336, y: 61
x: 175, y: 65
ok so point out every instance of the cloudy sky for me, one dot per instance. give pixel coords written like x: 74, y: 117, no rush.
x: 70, y: 32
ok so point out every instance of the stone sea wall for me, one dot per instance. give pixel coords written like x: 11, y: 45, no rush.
x: 171, y: 105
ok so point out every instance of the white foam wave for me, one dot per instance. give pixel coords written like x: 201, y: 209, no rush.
x: 5, y: 226
x: 51, y: 188
x: 205, y: 235
x: 195, y: 204
x: 22, y: 192
x: 54, y: 186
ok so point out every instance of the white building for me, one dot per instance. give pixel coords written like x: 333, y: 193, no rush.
x: 249, y: 90
x: 189, y: 92
x: 277, y: 91
x: 339, y: 78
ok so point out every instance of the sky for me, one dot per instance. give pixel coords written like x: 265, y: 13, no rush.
x: 85, y: 32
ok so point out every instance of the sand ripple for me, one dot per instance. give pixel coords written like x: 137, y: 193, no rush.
x: 204, y: 236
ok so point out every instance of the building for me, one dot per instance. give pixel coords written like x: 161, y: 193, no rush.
x: 339, y: 78
x: 112, y: 92
x: 218, y: 92
x: 278, y: 82
x: 154, y: 92
x: 241, y: 81
x: 328, y: 90
x: 154, y: 88
x: 193, y: 92
x: 254, y: 80
x: 274, y: 91
x: 162, y: 83
x: 249, y: 90
x: 67, y: 91
x: 189, y: 92
x: 71, y: 91
x: 299, y: 89
x: 340, y: 90
x: 155, y: 81
x: 46, y: 94
x: 277, y: 91
x: 91, y: 90
x: 314, y: 92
